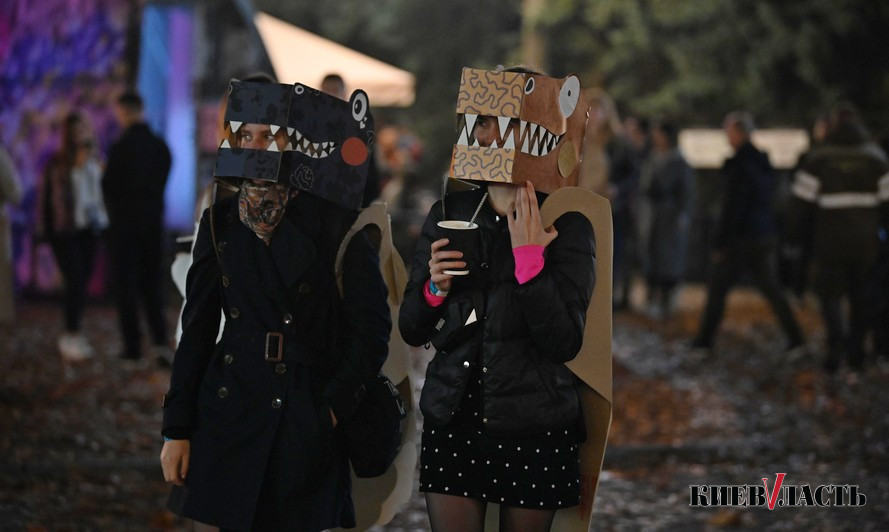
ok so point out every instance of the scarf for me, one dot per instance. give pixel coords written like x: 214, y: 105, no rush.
x: 261, y: 207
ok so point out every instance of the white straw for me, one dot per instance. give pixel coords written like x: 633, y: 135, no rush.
x: 482, y: 202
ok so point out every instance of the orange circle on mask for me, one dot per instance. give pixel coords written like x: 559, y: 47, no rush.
x: 354, y: 151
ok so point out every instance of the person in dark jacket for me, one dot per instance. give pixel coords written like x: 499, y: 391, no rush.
x: 502, y: 416
x: 133, y: 186
x: 746, y: 237
x: 840, y: 202
x: 252, y: 423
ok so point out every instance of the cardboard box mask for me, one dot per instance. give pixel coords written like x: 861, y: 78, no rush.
x: 297, y: 135
x: 540, y: 124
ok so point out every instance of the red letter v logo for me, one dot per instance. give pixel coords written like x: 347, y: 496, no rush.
x: 773, y: 496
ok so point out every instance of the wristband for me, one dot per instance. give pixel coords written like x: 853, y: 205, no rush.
x: 435, y: 291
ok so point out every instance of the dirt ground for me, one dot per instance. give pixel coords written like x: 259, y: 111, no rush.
x: 79, y: 443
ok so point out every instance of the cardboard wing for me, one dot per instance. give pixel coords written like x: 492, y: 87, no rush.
x: 593, y: 363
x: 378, y: 499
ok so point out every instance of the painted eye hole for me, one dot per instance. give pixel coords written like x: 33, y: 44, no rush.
x: 529, y: 86
x: 569, y: 95
x: 299, y: 89
x: 359, y: 106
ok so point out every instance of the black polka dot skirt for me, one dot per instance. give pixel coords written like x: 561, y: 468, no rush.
x: 541, y: 472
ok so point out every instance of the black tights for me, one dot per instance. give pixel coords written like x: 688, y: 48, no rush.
x: 450, y: 513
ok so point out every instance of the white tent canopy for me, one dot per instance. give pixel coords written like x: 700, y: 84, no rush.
x: 299, y: 56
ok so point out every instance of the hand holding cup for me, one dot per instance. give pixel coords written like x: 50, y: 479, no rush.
x: 442, y: 260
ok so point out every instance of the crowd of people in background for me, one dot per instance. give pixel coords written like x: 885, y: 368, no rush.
x: 828, y: 234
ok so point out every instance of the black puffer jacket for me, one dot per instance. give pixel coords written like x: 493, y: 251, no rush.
x: 527, y: 332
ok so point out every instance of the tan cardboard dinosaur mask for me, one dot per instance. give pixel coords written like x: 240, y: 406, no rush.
x: 538, y: 127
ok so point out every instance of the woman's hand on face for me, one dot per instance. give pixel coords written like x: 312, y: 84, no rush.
x: 444, y: 260
x: 174, y: 460
x: 525, y: 226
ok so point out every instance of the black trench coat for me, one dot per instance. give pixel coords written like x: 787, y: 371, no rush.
x: 264, y: 454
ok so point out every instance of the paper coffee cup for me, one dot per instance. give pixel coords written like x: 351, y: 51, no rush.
x: 462, y: 236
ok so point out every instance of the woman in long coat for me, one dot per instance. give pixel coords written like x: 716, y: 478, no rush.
x: 253, y: 419
x: 668, y: 183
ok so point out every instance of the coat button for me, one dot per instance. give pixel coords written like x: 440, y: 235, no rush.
x: 304, y: 288
x: 228, y: 358
x: 484, y: 420
x: 288, y: 319
x: 484, y: 370
x: 466, y: 364
x: 222, y: 392
x: 484, y: 265
x: 277, y: 402
x: 281, y: 368
x: 221, y: 246
x: 234, y: 312
x: 225, y: 281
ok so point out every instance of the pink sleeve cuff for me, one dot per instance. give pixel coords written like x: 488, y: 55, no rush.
x: 431, y: 300
x: 528, y: 262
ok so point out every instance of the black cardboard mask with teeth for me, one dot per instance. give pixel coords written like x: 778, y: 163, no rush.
x: 300, y: 136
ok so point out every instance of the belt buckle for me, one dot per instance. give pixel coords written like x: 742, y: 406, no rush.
x: 279, y: 355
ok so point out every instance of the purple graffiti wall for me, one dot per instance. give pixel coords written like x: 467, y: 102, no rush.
x: 55, y: 56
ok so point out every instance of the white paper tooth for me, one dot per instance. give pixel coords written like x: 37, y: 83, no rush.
x: 474, y: 142
x: 533, y: 130
x: 274, y: 128
x: 470, y: 122
x: 290, y: 131
x: 235, y: 125
x: 510, y: 143
x: 273, y: 146
x: 494, y: 143
x: 525, y: 144
x: 289, y: 147
x: 462, y: 140
x: 535, y: 149
x: 503, y: 122
x: 299, y: 136
x: 225, y: 144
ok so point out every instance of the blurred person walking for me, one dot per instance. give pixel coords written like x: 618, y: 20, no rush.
x: 71, y: 215
x: 133, y: 184
x: 840, y: 200
x: 667, y: 183
x: 10, y: 193
x: 746, y: 236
